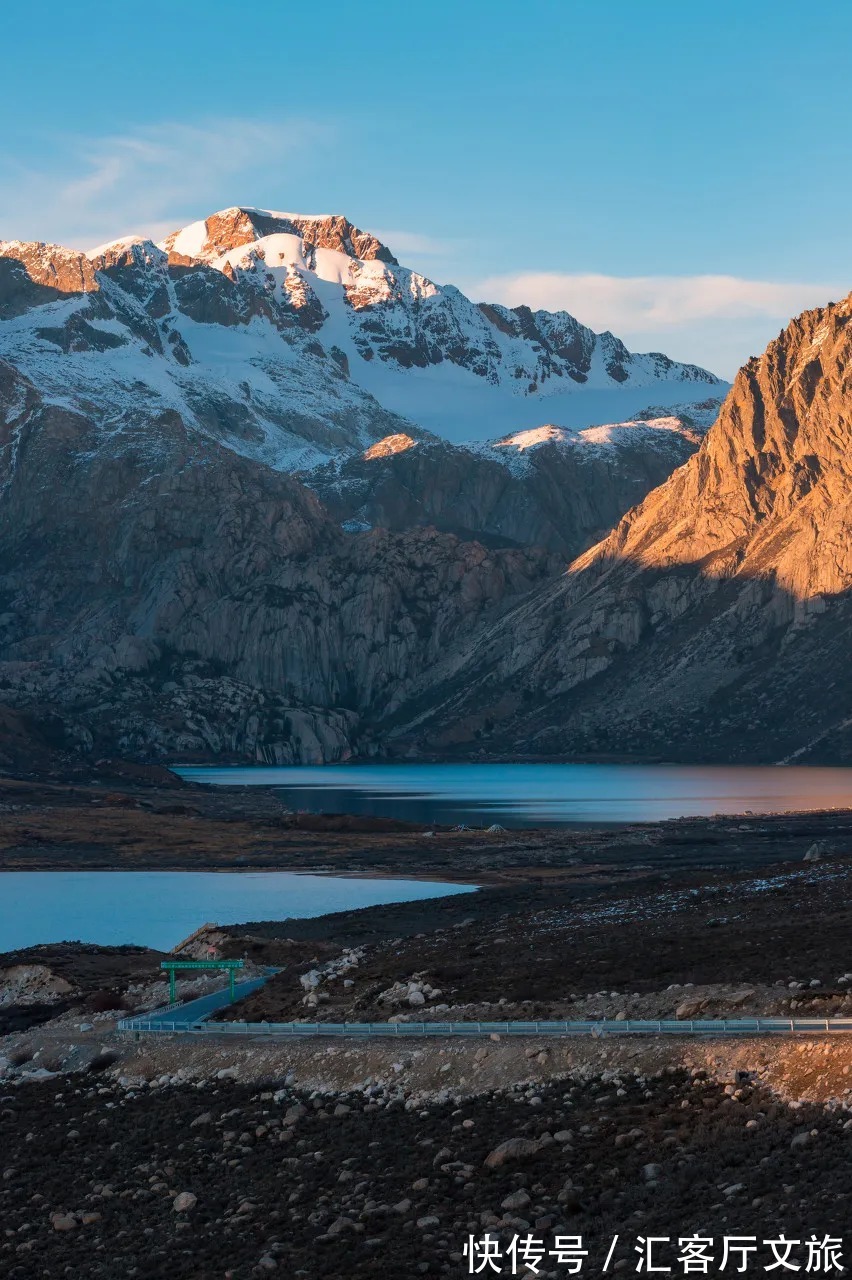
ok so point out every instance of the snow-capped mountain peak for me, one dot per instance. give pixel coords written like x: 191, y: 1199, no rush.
x: 292, y: 337
x: 212, y: 238
x: 461, y: 369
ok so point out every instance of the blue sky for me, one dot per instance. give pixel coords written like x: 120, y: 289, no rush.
x: 679, y: 173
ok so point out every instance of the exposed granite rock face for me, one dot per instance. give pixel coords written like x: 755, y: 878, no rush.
x: 234, y: 227
x: 18, y: 399
x: 51, y: 266
x: 566, y: 347
x: 19, y: 291
x: 714, y: 620
x: 562, y: 494
x: 184, y: 600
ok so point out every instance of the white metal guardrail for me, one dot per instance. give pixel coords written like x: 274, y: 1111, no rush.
x: 156, y: 1024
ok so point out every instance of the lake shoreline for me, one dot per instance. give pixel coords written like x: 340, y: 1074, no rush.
x: 552, y: 796
x: 183, y: 827
x: 159, y: 910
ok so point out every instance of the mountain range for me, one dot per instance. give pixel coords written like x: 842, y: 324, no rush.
x: 713, y: 622
x: 302, y: 344
x: 266, y: 493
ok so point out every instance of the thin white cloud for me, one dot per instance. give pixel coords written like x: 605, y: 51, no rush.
x: 713, y: 320
x: 145, y: 181
x: 658, y: 303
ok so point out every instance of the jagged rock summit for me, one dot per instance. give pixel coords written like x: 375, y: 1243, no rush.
x: 389, y: 322
x: 713, y: 621
x: 232, y: 228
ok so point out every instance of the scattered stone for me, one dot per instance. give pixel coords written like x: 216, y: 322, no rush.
x: 340, y: 1226
x: 516, y: 1149
x: 689, y: 1009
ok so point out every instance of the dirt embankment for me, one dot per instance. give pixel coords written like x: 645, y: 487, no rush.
x: 41, y: 983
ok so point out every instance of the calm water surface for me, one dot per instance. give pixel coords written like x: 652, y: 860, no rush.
x: 521, y: 795
x: 159, y: 908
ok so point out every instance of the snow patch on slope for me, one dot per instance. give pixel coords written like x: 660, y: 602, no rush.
x: 190, y: 240
x: 648, y: 433
x: 522, y: 440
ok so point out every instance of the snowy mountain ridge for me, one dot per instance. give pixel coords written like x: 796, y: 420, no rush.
x: 424, y: 350
x: 292, y: 339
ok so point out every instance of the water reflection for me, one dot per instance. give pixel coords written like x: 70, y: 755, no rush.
x: 520, y: 795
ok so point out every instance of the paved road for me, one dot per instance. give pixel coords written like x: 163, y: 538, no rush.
x: 180, y: 1017
x: 191, y: 1018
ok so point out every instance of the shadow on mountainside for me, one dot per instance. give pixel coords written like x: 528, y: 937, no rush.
x: 19, y: 292
x: 737, y: 669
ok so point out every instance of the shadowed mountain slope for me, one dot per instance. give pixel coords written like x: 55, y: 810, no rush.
x: 171, y: 584
x: 713, y: 621
x: 160, y: 595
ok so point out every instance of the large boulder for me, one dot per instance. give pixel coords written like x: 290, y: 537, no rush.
x: 515, y: 1149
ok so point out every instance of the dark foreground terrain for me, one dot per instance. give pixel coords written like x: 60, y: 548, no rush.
x: 188, y: 1159
x: 94, y: 1180
x: 645, y: 945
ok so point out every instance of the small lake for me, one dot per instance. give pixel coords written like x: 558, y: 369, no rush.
x: 525, y: 795
x: 160, y: 908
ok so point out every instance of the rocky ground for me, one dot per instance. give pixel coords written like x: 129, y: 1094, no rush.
x: 236, y: 1180
x: 682, y: 944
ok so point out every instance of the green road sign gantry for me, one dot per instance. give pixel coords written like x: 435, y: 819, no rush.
x: 228, y: 965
